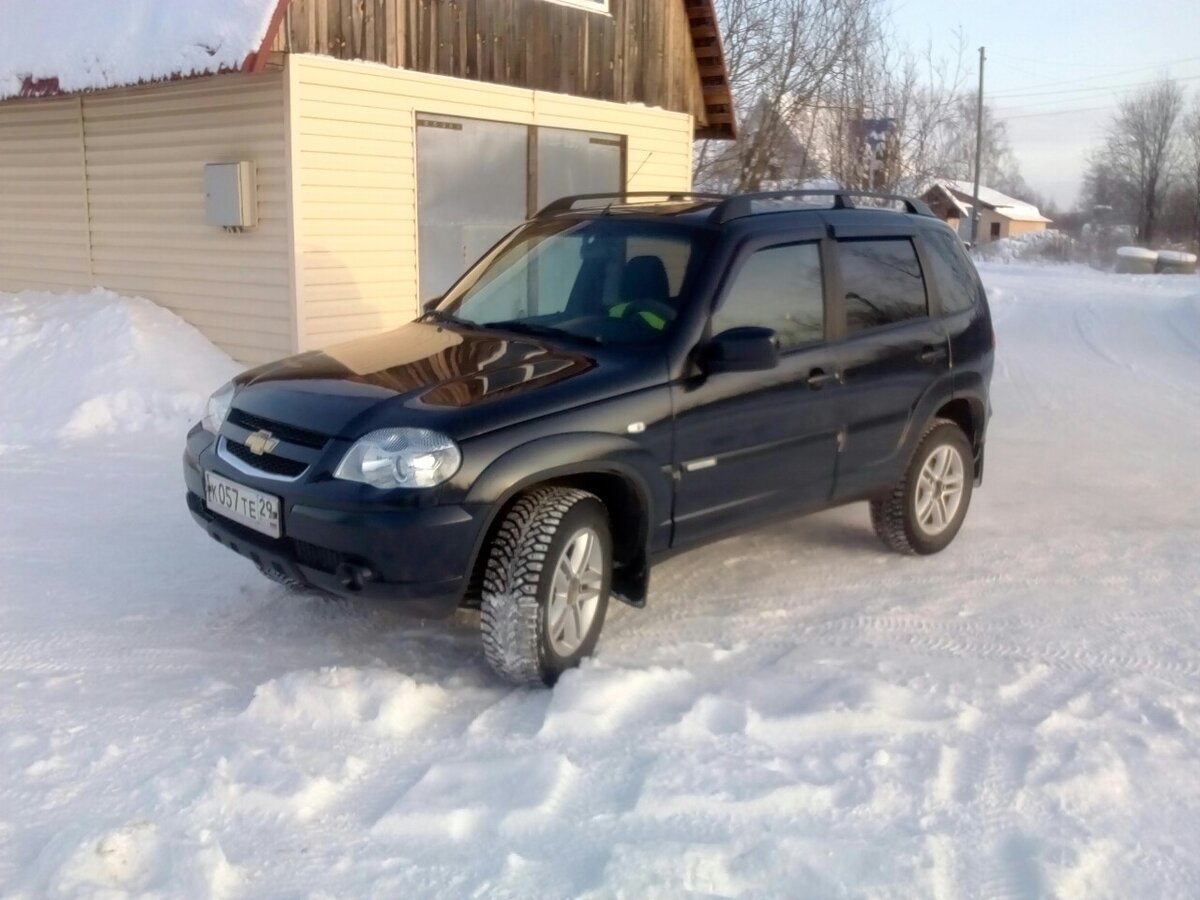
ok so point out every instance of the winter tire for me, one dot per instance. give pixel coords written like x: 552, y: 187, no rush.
x: 545, y: 591
x: 926, y: 508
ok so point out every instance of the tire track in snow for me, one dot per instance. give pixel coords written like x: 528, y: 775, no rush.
x: 986, y: 641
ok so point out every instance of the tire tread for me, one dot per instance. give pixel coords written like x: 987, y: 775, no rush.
x: 509, y: 612
x: 888, y: 515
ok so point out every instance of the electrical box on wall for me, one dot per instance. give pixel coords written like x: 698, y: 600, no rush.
x: 230, y: 195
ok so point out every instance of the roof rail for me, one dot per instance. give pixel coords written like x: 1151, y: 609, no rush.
x: 566, y: 204
x: 741, y: 205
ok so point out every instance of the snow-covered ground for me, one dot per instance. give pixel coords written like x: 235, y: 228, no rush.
x: 796, y: 714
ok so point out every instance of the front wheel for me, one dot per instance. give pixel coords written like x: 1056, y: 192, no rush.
x: 545, y: 591
x: 925, y: 511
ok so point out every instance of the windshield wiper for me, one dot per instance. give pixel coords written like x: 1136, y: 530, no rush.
x: 534, y: 328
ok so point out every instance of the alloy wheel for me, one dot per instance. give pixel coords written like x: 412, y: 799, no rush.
x: 575, y: 592
x: 939, y: 490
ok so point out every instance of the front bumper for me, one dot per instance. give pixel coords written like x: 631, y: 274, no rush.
x: 419, y: 556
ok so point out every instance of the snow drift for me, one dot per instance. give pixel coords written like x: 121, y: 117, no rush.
x: 79, y: 365
x: 90, y: 46
x: 795, y: 712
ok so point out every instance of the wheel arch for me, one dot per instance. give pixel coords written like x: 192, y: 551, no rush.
x: 616, y: 470
x: 968, y: 412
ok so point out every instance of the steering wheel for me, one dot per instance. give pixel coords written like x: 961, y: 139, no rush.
x: 650, y: 313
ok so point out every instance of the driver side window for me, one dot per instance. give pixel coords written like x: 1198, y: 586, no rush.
x: 779, y: 288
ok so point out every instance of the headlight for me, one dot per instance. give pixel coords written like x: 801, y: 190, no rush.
x: 401, y: 457
x: 218, y: 408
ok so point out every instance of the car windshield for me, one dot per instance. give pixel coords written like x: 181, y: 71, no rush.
x: 605, y: 280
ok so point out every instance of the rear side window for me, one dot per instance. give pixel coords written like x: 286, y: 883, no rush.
x: 779, y: 288
x: 956, y: 281
x: 883, y: 283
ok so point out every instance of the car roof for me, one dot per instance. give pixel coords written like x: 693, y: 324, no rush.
x: 767, y: 211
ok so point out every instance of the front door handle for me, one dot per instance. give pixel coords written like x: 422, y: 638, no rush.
x: 933, y: 354
x: 818, y: 378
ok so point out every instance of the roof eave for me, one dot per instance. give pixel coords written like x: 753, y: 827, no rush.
x: 721, y: 120
x: 254, y: 63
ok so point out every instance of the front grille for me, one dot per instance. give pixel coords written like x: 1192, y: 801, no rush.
x: 289, y: 433
x: 269, y: 463
x: 315, y: 557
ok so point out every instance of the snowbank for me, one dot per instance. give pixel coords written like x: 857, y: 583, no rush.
x: 1050, y: 246
x: 79, y: 365
x: 795, y: 713
x: 89, y: 46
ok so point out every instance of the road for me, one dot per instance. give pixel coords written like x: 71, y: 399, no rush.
x: 796, y: 713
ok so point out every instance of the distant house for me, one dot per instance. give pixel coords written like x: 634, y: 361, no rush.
x: 1001, y: 216
x: 285, y: 174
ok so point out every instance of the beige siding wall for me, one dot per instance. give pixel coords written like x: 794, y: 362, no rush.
x: 352, y: 149
x: 107, y: 189
x: 43, y: 205
x: 1015, y: 228
x: 136, y: 224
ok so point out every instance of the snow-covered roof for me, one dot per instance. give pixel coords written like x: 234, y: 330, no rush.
x: 961, y: 193
x: 48, y: 46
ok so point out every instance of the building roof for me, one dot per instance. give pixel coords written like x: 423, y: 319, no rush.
x: 961, y: 193
x: 50, y: 47
x: 59, y: 46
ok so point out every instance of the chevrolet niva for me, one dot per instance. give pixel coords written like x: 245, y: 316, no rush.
x: 621, y: 378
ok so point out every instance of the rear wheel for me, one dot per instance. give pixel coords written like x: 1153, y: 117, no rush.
x: 926, y: 509
x: 545, y: 592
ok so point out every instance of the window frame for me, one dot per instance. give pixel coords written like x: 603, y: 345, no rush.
x: 753, y: 245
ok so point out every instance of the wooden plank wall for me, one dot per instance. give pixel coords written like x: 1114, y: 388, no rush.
x: 641, y: 52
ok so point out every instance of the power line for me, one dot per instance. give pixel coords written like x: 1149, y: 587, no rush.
x: 1013, y: 95
x: 1119, y: 74
x: 1059, y: 63
x: 1056, y: 112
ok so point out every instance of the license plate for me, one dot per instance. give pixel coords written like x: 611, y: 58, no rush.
x: 243, y: 505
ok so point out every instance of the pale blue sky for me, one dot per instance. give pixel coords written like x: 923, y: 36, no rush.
x: 1057, y: 68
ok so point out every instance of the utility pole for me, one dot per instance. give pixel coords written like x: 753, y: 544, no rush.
x: 978, y: 153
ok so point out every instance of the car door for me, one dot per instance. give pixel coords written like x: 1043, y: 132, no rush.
x: 892, y: 356
x: 750, y: 444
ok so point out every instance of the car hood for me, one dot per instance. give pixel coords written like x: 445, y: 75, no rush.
x: 440, y: 376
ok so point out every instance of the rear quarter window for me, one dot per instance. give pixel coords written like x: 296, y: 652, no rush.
x: 957, y: 283
x: 883, y: 282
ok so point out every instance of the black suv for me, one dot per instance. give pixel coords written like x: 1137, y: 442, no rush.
x: 619, y: 379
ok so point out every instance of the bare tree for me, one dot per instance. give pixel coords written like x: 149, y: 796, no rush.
x: 781, y: 54
x: 1140, y: 151
x: 827, y: 91
x: 1191, y: 166
x: 998, y: 164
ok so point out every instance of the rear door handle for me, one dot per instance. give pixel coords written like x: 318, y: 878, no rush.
x: 932, y: 354
x: 818, y: 378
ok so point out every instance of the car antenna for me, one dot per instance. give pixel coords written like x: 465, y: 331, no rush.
x: 604, y: 212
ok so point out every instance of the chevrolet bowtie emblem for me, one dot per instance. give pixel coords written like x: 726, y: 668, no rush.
x: 262, y: 441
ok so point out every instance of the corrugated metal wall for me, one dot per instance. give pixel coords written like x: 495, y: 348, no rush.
x: 352, y: 136
x: 138, y: 227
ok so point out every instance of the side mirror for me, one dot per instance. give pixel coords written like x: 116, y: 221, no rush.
x: 745, y: 349
x: 431, y: 304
